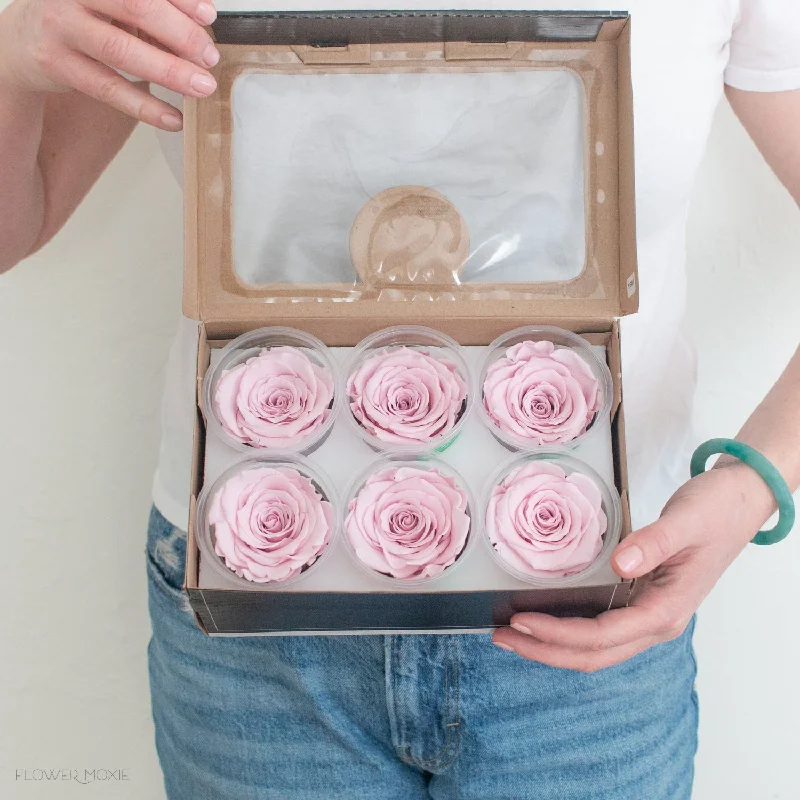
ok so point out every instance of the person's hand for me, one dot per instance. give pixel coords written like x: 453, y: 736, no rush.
x: 57, y: 45
x: 702, y: 529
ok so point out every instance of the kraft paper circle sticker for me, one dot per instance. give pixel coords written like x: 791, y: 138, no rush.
x: 409, y: 235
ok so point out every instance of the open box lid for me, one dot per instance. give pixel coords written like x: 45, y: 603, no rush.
x: 478, y: 164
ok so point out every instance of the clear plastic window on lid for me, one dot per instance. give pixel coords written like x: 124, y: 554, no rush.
x: 390, y: 180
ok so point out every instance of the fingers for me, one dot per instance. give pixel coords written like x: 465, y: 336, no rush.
x: 116, y: 48
x: 659, y: 613
x: 201, y: 11
x: 105, y: 85
x: 567, y: 657
x: 644, y: 550
x: 165, y: 22
x: 681, y: 557
x: 612, y: 629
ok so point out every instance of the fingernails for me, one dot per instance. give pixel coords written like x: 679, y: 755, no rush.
x: 203, y: 84
x: 171, y: 121
x: 504, y: 646
x: 210, y: 55
x: 521, y: 628
x: 630, y: 558
x: 206, y: 13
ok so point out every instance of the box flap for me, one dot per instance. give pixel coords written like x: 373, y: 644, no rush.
x: 336, y: 28
x: 522, y: 208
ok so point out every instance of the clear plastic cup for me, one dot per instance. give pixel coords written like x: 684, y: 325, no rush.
x: 253, y: 344
x: 204, y: 531
x: 430, y: 343
x: 560, y: 339
x: 426, y: 463
x: 610, y: 504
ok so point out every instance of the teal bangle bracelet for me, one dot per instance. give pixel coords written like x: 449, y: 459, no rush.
x: 765, y: 468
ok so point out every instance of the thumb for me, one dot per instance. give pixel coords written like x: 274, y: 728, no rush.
x: 643, y: 550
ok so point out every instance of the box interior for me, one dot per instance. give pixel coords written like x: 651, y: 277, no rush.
x: 234, y: 611
x: 475, y: 454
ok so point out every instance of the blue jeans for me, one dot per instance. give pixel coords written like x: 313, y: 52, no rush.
x: 404, y: 717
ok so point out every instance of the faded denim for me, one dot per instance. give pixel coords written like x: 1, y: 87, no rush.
x: 404, y: 717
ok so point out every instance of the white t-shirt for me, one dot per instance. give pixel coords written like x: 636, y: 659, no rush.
x: 683, y: 52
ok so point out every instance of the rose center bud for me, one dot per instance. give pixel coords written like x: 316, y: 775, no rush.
x: 275, y: 519
x: 278, y: 403
x: 404, y: 400
x: 540, y: 402
x: 405, y: 521
x: 279, y: 399
x: 548, y: 517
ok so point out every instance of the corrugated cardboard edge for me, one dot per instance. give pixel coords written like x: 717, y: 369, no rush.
x: 623, y: 593
x: 192, y: 568
x: 628, y: 268
x: 346, y: 54
x: 483, y: 51
x: 348, y: 331
x: 191, y: 300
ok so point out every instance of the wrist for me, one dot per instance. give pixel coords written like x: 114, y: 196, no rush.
x: 17, y: 75
x: 749, y: 494
x: 21, y: 118
x: 20, y: 76
x: 19, y: 97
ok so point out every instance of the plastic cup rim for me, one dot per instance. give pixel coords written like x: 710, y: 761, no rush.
x: 205, y: 536
x: 247, y: 340
x: 609, y: 494
x: 584, y: 348
x: 359, y: 354
x: 387, y: 461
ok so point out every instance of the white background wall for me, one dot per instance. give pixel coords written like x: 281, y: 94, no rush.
x: 84, y: 331
x: 744, y: 283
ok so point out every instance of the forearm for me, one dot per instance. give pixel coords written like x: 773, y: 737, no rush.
x: 53, y: 147
x: 774, y: 427
x: 773, y: 120
x: 81, y: 137
x: 774, y: 430
x: 54, y: 142
x: 21, y: 184
x: 73, y: 82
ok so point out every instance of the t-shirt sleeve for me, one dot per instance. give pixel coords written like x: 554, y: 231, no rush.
x: 765, y: 47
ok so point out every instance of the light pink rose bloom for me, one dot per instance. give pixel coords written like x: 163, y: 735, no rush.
x: 408, y: 523
x: 275, y: 399
x: 269, y: 523
x: 406, y: 395
x: 541, y: 394
x: 544, y: 523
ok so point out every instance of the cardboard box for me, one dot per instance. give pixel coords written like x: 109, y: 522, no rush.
x: 595, y: 48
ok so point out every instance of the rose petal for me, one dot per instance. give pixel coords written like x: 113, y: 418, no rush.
x: 275, y: 399
x: 269, y: 523
x: 408, y: 522
x: 541, y: 394
x: 406, y: 395
x: 545, y: 523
